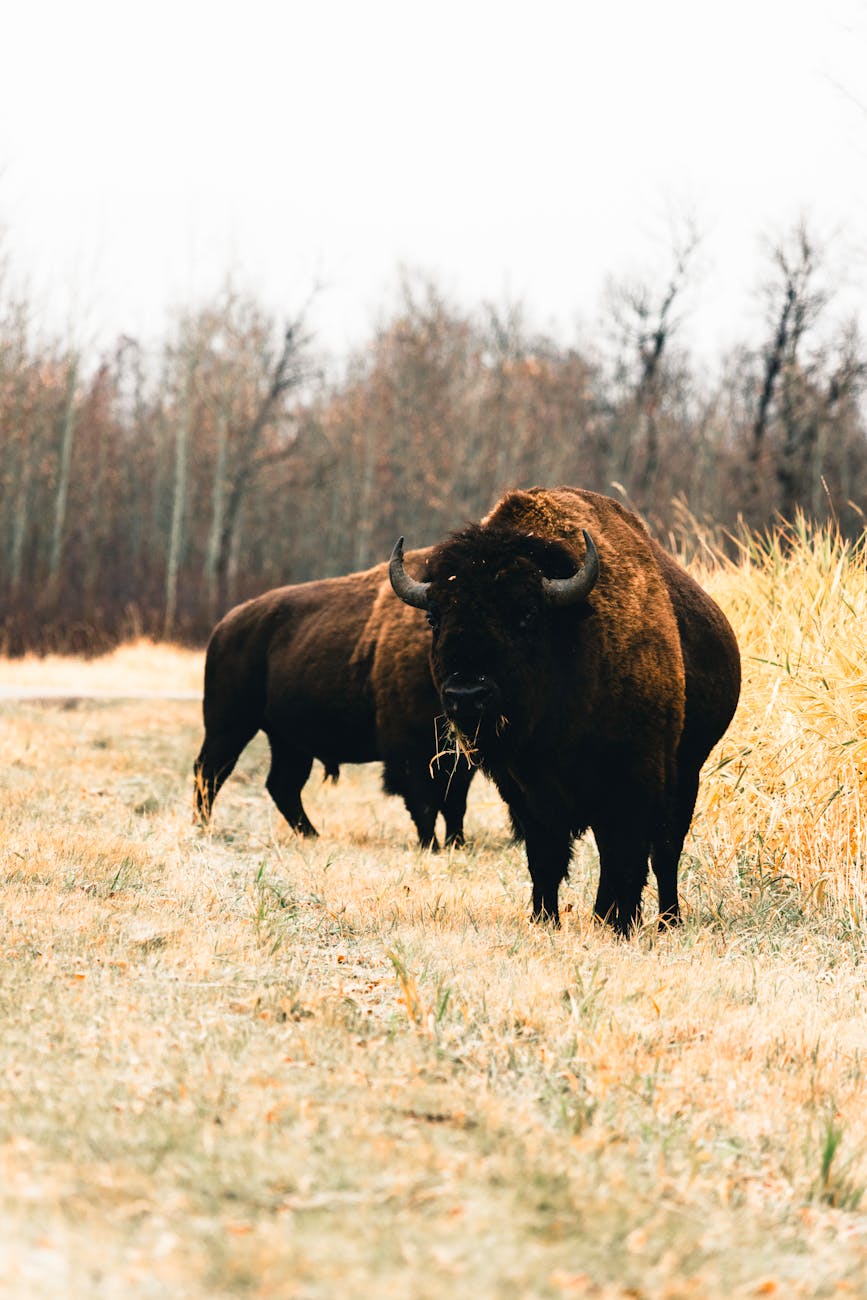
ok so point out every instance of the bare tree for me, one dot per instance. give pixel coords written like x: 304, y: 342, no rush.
x: 278, y: 376
x: 172, y: 483
x: 64, y: 458
x: 817, y: 472
x: 646, y: 321
x: 179, y: 496
x: 795, y: 301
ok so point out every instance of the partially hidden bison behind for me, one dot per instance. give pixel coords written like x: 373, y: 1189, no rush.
x: 335, y: 670
x: 590, y: 676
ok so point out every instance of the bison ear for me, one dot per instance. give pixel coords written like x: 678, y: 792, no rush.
x: 569, y: 591
x: 411, y: 592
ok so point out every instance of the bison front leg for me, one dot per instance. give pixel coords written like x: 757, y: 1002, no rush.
x: 408, y: 776
x: 453, y: 787
x: 623, y: 852
x: 548, y: 852
x: 290, y: 768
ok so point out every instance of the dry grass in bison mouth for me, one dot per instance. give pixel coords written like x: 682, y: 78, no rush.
x: 452, y: 743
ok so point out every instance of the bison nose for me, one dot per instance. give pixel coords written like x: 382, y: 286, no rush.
x: 463, y: 699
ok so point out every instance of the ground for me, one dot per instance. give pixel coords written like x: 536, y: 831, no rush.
x: 240, y: 1063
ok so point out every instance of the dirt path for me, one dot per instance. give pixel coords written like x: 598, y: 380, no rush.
x: 53, y: 693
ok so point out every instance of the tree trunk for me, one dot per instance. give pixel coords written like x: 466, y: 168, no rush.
x: 284, y: 377
x: 65, y: 462
x: 22, y: 505
x: 182, y: 444
x: 218, y: 510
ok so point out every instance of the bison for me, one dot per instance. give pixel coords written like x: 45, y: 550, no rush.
x: 334, y: 670
x: 589, y: 675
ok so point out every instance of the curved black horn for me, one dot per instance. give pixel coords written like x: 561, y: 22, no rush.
x: 568, y: 591
x: 410, y: 591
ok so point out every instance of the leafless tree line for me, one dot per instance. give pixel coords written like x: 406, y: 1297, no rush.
x: 150, y: 492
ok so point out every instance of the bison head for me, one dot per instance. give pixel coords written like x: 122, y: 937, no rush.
x: 499, y: 604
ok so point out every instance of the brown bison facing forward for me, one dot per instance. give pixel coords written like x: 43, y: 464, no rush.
x: 590, y: 674
x: 334, y: 670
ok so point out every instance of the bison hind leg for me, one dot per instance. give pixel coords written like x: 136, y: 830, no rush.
x: 665, y: 857
x: 215, y: 762
x: 669, y: 837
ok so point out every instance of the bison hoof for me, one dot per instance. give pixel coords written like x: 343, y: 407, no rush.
x: 201, y: 815
x: 670, y: 921
x: 544, y: 917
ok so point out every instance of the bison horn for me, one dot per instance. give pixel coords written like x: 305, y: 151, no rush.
x: 410, y: 591
x: 568, y: 591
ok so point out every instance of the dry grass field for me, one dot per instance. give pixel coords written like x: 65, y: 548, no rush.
x: 238, y: 1064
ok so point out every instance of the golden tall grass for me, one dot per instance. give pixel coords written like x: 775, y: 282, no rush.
x: 786, y: 796
x: 237, y: 1063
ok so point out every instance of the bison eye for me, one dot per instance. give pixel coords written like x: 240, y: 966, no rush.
x: 433, y: 616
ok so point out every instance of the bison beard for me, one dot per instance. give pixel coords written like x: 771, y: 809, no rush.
x: 334, y: 670
x: 592, y: 676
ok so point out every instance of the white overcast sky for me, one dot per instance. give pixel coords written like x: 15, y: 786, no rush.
x: 515, y: 151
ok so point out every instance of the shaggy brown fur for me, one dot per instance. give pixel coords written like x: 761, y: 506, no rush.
x: 335, y: 670
x: 595, y: 715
